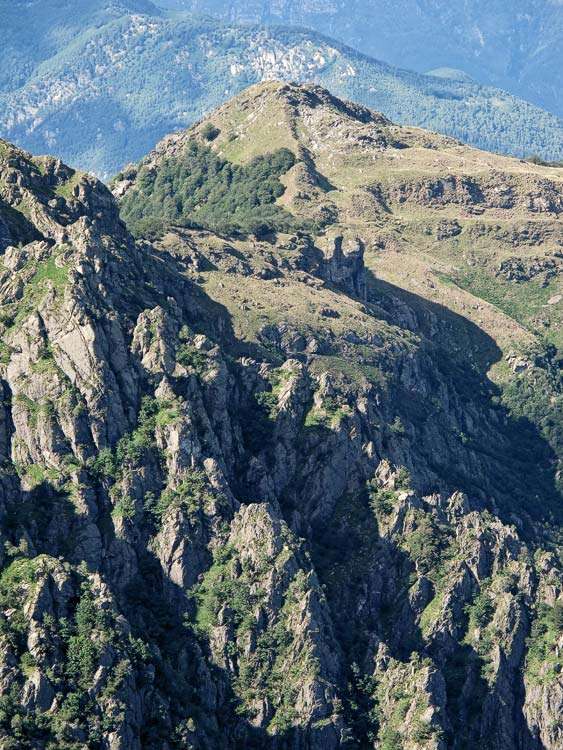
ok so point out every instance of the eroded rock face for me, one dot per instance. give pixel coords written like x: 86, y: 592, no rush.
x: 314, y: 539
x: 514, y: 269
x: 539, y: 196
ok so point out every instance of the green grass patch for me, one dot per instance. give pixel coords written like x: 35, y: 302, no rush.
x: 34, y: 409
x: 431, y: 612
x: 66, y: 189
x: 220, y: 587
x: 520, y: 301
x: 5, y: 353
x: 20, y: 571
x: 330, y: 414
x: 35, y: 475
x: 47, y: 275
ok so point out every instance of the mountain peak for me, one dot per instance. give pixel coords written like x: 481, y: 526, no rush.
x: 343, y: 162
x: 274, y: 114
x: 304, y: 95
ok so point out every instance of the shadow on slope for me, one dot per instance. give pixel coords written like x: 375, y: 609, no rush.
x: 518, y: 466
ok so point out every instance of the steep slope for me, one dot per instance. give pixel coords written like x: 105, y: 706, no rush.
x: 477, y: 233
x: 252, y: 495
x: 516, y: 45
x: 107, y: 96
x: 33, y: 31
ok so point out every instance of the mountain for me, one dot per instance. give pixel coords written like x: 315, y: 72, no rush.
x: 476, y: 227
x: 110, y: 92
x: 282, y: 472
x: 36, y: 30
x: 516, y: 45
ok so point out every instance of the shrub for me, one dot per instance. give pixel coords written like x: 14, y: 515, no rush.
x: 423, y: 544
x: 381, y: 501
x: 83, y: 652
x: 209, y: 131
x: 190, y: 494
x: 544, y: 661
x: 189, y: 356
x: 124, y: 508
x: 103, y: 465
x: 482, y: 609
x: 397, y: 427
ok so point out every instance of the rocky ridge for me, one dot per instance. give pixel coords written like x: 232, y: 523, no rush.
x: 249, y: 500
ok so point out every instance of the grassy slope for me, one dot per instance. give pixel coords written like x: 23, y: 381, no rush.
x: 456, y: 266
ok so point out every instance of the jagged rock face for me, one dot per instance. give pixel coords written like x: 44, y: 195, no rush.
x: 248, y: 502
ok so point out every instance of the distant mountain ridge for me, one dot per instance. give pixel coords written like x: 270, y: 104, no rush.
x: 513, y: 44
x: 102, y: 97
x: 36, y: 30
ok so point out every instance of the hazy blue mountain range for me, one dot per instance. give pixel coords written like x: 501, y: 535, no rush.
x: 35, y: 30
x: 98, y: 83
x: 513, y: 44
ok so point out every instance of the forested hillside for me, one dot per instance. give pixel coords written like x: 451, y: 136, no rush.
x: 516, y: 45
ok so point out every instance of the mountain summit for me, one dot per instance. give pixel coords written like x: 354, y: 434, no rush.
x: 258, y: 488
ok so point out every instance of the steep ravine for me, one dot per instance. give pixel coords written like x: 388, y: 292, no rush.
x: 330, y: 537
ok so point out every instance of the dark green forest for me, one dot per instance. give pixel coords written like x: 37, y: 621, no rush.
x: 204, y: 190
